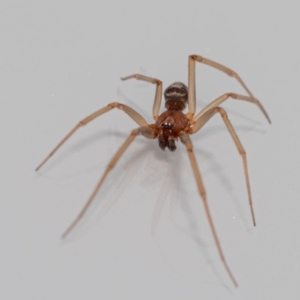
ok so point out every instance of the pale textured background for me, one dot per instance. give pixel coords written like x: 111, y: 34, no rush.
x: 62, y: 60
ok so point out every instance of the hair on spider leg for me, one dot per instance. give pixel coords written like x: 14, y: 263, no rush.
x: 172, y: 126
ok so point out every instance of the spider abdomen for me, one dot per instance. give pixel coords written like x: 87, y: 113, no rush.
x: 176, y: 96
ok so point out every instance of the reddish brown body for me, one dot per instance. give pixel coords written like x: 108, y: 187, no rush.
x: 173, y: 122
x: 170, y: 125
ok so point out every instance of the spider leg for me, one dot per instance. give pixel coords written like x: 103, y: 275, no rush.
x: 146, y: 132
x: 198, y: 125
x: 128, y: 110
x: 222, y: 68
x: 158, y: 92
x: 225, y: 97
x: 192, y: 84
x: 191, y: 88
x: 185, y: 139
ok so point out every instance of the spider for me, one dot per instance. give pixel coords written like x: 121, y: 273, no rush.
x: 172, y: 125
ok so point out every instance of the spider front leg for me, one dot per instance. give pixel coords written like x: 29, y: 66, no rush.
x: 185, y: 139
x: 146, y: 132
x: 192, y: 85
x: 202, y: 120
x: 128, y: 110
x: 158, y: 91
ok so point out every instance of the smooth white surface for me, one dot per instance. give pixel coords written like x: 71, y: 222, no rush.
x: 62, y: 60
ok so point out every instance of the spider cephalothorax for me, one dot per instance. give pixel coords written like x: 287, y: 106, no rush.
x: 172, y: 125
x: 169, y: 126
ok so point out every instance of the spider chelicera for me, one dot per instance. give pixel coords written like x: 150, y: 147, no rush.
x: 171, y: 125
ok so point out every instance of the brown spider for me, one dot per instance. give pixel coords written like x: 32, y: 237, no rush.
x: 171, y: 125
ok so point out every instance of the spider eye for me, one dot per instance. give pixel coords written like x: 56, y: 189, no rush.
x: 167, y: 125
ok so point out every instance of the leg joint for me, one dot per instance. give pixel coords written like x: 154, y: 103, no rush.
x: 189, y: 116
x: 222, y: 112
x: 203, y: 195
x: 232, y: 95
x: 232, y: 73
x: 196, y: 57
x: 135, y: 132
x: 115, y: 105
